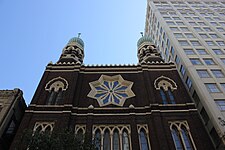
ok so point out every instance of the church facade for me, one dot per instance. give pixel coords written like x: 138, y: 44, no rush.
x: 127, y: 107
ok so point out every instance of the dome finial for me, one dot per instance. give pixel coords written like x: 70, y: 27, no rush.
x: 79, y: 35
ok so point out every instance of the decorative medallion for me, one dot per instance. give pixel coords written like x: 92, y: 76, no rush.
x: 111, y: 90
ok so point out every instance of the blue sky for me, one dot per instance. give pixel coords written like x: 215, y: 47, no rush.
x: 33, y: 33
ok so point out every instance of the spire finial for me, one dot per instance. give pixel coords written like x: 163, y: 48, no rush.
x: 79, y: 35
x: 141, y: 34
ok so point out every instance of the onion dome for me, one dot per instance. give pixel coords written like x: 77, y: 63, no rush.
x: 76, y: 40
x: 144, y: 39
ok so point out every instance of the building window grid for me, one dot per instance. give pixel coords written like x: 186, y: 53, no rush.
x: 218, y: 73
x: 212, y: 87
x: 203, y: 73
x: 220, y: 104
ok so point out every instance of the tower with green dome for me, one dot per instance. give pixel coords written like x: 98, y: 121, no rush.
x: 73, y: 51
x: 147, y: 51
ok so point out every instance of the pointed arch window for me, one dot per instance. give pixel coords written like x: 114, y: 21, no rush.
x: 187, y: 140
x: 97, y: 140
x: 112, y: 137
x: 171, y: 97
x: 125, y: 141
x: 166, y: 86
x: 163, y: 96
x: 106, y: 143
x: 176, y: 139
x: 143, y: 140
x: 181, y: 136
x: 55, y: 87
x: 116, y: 142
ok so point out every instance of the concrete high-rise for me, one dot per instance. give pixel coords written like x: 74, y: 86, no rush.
x: 192, y: 34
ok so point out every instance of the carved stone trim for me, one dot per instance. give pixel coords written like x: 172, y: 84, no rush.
x: 56, y: 84
x: 165, y: 83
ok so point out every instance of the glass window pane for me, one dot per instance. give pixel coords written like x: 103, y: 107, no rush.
x: 125, y: 140
x: 106, y: 142
x: 143, y: 140
x: 116, y: 141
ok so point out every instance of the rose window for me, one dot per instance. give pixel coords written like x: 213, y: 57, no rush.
x: 111, y: 90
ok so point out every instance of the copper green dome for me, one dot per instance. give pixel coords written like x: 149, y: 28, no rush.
x: 143, y: 39
x: 76, y: 40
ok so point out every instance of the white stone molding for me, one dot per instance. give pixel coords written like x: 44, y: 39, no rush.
x: 165, y: 83
x: 43, y: 126
x: 56, y: 84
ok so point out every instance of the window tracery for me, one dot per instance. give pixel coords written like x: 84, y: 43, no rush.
x: 43, y: 126
x: 56, y: 87
x: 143, y: 133
x: 181, y: 135
x: 112, y: 137
x: 111, y: 90
x: 166, y: 86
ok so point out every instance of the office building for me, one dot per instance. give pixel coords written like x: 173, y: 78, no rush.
x: 192, y: 34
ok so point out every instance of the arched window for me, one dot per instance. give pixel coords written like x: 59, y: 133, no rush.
x: 172, y: 101
x: 59, y: 96
x: 143, y: 140
x: 125, y: 141
x: 97, y: 140
x: 176, y: 139
x: 186, y: 138
x: 52, y: 97
x: 80, y: 135
x: 116, y: 140
x: 55, y: 87
x: 182, y: 136
x: 112, y: 137
x: 106, y: 142
x: 163, y: 95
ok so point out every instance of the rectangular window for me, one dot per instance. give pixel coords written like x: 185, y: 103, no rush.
x: 210, y: 43
x: 214, y: 23
x: 170, y: 23
x: 167, y: 18
x: 218, y: 51
x: 201, y: 52
x: 178, y: 35
x: 195, y: 43
x: 201, y: 23
x: 220, y: 43
x: 183, y: 43
x: 204, y: 36
x: 176, y: 18
x: 182, y: 70
x: 198, y: 29
x: 223, y: 60
x: 203, y: 73
x: 196, y: 18
x: 189, y: 35
x: 189, y: 52
x: 223, y: 86
x: 188, y: 82
x: 195, y: 61
x: 174, y: 29
x: 184, y: 29
x: 218, y: 73
x: 221, y: 104
x: 204, y: 115
x: 172, y: 51
x: 207, y: 29
x: 212, y: 87
x: 177, y: 60
x: 209, y: 61
x: 180, y: 23
x: 214, y: 35
x: 220, y: 29
x: 193, y: 23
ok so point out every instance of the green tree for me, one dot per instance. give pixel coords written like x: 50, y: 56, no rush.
x: 57, y: 140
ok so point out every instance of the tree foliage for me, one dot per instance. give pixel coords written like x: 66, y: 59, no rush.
x: 57, y: 140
